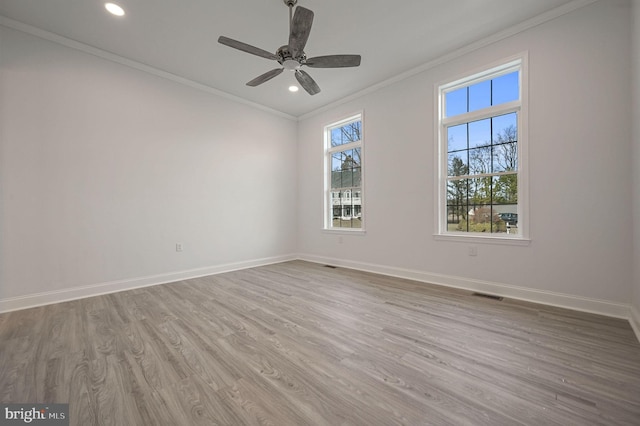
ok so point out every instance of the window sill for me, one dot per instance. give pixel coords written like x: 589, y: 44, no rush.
x: 345, y: 231
x: 483, y: 239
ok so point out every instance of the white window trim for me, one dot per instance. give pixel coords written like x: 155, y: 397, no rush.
x: 521, y: 62
x: 328, y: 150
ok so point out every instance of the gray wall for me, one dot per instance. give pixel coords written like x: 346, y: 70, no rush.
x: 105, y: 168
x: 636, y: 162
x: 579, y: 166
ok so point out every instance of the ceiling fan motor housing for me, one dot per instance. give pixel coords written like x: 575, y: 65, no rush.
x: 290, y: 3
x: 287, y: 60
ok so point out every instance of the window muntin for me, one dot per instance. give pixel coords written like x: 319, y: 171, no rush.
x: 343, y: 184
x: 480, y: 148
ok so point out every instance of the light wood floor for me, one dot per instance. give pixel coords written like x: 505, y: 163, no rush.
x: 302, y: 344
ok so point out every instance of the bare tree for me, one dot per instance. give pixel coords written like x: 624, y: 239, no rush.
x: 505, y: 157
x: 348, y: 133
x: 505, y: 150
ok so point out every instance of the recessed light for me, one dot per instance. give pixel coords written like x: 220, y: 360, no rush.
x: 114, y: 9
x: 293, y: 88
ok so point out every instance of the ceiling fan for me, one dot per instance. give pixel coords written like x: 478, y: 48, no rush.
x: 291, y: 56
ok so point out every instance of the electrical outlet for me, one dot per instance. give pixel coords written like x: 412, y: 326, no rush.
x: 179, y: 247
x: 473, y: 251
x: 340, y: 239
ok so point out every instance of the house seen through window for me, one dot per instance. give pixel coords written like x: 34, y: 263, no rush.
x: 343, y: 183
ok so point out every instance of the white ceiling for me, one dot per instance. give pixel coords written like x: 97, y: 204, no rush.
x: 180, y: 37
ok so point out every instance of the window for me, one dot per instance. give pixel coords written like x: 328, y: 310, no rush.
x: 480, y: 154
x: 343, y: 181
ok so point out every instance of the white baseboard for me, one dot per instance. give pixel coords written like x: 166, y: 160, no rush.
x: 596, y: 306
x: 49, y: 297
x: 602, y: 307
x: 634, y: 320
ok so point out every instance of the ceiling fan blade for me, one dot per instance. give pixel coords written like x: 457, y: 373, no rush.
x: 307, y: 82
x: 246, y: 48
x: 265, y: 77
x: 300, y: 29
x: 334, y: 61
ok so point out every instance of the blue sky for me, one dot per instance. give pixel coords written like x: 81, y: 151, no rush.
x: 481, y: 95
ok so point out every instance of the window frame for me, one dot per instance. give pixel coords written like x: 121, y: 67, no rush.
x: 328, y: 152
x: 515, y: 63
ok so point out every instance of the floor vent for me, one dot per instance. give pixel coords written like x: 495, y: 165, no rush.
x: 488, y: 296
x: 330, y: 266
